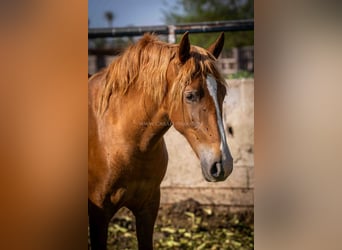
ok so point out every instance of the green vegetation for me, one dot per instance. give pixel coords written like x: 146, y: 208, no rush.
x: 188, y: 11
x: 241, y: 75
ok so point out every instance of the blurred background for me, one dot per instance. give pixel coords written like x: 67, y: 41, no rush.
x: 236, y: 59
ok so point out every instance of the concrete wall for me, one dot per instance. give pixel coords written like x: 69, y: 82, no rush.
x: 184, y: 179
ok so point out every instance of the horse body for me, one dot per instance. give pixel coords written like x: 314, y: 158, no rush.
x: 127, y: 121
x: 123, y: 160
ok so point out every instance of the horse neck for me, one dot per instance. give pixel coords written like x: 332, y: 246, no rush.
x: 154, y: 127
x: 143, y: 122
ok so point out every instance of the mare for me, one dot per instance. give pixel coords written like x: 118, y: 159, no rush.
x: 151, y: 86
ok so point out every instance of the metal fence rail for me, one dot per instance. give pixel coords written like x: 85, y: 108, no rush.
x: 217, y: 26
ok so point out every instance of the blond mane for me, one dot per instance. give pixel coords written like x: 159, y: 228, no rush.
x: 144, y: 66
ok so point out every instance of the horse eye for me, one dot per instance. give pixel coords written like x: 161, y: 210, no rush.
x: 191, y: 97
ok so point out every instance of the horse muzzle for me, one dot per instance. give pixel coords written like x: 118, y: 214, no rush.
x: 218, y: 169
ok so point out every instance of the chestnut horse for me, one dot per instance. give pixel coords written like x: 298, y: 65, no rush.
x: 132, y: 103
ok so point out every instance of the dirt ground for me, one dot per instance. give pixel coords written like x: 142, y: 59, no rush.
x: 188, y: 225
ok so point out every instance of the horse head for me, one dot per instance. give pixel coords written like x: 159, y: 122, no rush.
x: 197, y: 109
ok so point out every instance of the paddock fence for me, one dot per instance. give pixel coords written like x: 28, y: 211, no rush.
x: 239, y: 59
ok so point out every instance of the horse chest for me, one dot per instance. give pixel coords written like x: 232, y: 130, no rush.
x: 135, y: 186
x: 150, y: 169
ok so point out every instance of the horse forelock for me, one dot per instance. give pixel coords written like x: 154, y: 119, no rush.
x: 200, y: 64
x: 144, y: 66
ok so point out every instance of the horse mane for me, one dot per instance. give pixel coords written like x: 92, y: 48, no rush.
x: 144, y: 65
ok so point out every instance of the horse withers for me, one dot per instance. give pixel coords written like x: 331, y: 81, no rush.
x: 132, y: 103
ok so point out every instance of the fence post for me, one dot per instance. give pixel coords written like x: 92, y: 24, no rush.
x: 172, y: 34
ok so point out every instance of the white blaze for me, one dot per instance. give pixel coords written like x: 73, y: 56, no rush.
x: 212, y: 87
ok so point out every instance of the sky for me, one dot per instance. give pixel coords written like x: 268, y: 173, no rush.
x: 128, y: 12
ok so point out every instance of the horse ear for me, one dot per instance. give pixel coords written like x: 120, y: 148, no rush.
x: 217, y: 46
x: 184, y: 48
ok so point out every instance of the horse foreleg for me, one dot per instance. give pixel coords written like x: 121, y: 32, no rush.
x: 98, y: 228
x: 145, y: 219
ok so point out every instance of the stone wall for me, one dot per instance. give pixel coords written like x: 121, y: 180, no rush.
x: 184, y: 179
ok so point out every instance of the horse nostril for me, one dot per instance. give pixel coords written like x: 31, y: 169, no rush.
x: 216, y: 170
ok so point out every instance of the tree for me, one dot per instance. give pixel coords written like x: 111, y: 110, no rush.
x: 188, y: 11
x: 109, y: 15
